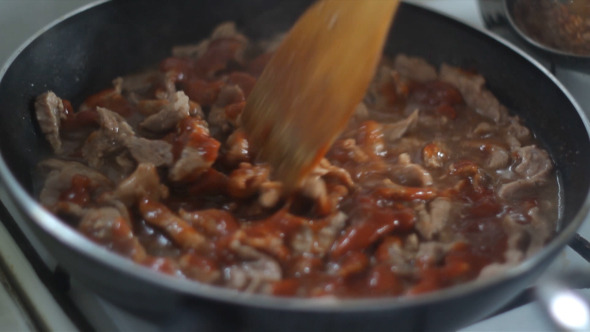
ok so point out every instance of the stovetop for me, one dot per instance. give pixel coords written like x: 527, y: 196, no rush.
x: 34, y: 297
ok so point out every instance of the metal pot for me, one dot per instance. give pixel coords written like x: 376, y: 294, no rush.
x: 82, y: 53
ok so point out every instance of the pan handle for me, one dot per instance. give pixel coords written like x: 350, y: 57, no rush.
x: 581, y: 246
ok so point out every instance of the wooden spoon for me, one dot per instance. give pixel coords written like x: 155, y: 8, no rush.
x: 312, y: 84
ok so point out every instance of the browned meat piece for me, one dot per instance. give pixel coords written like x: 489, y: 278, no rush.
x: 497, y: 157
x: 399, y: 256
x: 108, y: 227
x: 326, y: 186
x: 222, y: 31
x: 432, y: 220
x: 483, y: 129
x: 237, y: 148
x: 193, y: 51
x: 254, y: 273
x: 111, y: 137
x: 371, y: 223
x: 516, y: 133
x: 328, y: 171
x: 269, y: 235
x: 383, y: 78
x: 403, y: 256
x: 361, y: 112
x: 247, y: 179
x: 59, y: 180
x: 199, y: 150
x: 181, y: 232
x: 394, y: 191
x: 144, y: 182
x: 213, y: 222
x: 434, y: 155
x: 474, y: 92
x: 394, y: 131
x: 198, y: 267
x: 219, y: 119
x: 347, y: 150
x: 149, y: 107
x: 432, y: 252
x: 527, y: 234
x: 156, y: 152
x: 227, y: 30
x: 318, y: 239
x: 516, y: 129
x: 370, y: 138
x: 139, y: 83
x: 414, y: 68
x: 50, y: 110
x: 167, y: 118
x: 114, y: 124
x: 270, y: 193
x: 493, y: 155
x: 124, y: 164
x: 406, y: 173
x: 190, y: 163
x: 314, y: 188
x: 534, y: 165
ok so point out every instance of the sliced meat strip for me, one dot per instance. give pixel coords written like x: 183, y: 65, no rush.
x: 156, y: 152
x: 270, y: 193
x: 255, y: 273
x: 198, y: 150
x: 111, y: 137
x: 108, y: 227
x: 314, y: 188
x: 432, y: 220
x: 219, y: 119
x: 50, y: 110
x: 435, y: 154
x: 143, y: 182
x: 181, y: 232
x: 394, y: 131
x: 413, y: 68
x: 472, y: 87
x: 59, y: 180
x: 199, y: 267
x: 237, y: 148
x: 167, y: 118
x: 534, y: 165
x: 317, y: 239
x: 213, y: 222
x: 406, y: 173
x: 394, y: 191
x: 271, y: 235
x: 328, y: 171
x: 246, y: 180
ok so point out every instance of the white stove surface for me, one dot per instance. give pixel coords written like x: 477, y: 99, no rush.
x: 20, y: 19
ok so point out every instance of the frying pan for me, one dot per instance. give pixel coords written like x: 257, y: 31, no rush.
x: 82, y: 53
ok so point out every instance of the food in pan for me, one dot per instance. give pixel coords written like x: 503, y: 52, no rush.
x: 562, y: 25
x: 432, y: 184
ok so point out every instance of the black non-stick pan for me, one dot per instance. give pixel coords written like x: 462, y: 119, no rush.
x: 84, y: 52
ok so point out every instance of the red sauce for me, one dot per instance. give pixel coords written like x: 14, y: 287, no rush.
x: 79, y: 191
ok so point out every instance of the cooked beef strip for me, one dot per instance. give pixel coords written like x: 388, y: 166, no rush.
x: 50, y: 110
